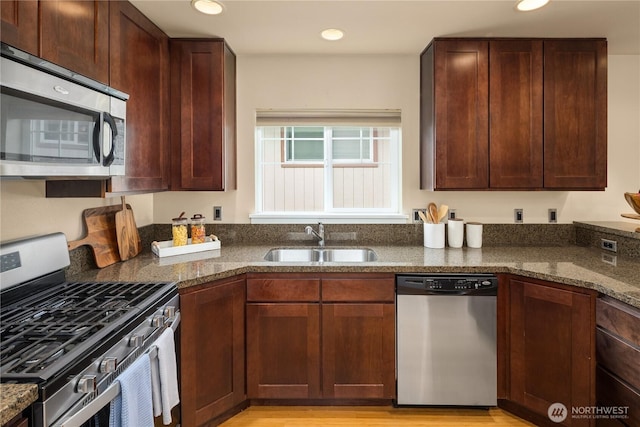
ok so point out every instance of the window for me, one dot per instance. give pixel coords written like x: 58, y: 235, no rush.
x: 313, y: 170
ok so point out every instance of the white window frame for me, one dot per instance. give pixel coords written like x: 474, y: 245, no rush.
x: 392, y: 214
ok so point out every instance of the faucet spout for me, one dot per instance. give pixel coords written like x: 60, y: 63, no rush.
x: 317, y: 234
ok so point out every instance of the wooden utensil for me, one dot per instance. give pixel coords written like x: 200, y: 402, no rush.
x: 101, y: 234
x: 127, y: 233
x: 442, y: 212
x: 433, y: 212
x: 423, y: 217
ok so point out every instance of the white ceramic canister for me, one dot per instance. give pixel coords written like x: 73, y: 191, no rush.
x: 474, y: 234
x: 434, y: 235
x: 455, y: 232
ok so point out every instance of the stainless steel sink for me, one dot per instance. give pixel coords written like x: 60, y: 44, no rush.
x: 321, y: 255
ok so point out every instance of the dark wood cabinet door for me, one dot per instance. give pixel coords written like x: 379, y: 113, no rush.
x: 461, y: 114
x: 358, y: 351
x: 283, y: 351
x: 212, y: 356
x: 575, y: 114
x: 140, y: 67
x: 75, y: 35
x: 551, y: 348
x: 515, y: 114
x: 203, y: 112
x: 19, y: 24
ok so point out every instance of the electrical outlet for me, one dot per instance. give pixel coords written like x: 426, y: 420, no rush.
x: 553, y: 216
x: 415, y: 216
x: 217, y: 213
x: 518, y: 215
x: 610, y: 259
x: 609, y: 245
x: 452, y: 214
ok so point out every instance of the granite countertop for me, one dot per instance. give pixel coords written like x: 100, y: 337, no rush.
x: 14, y: 398
x: 618, y: 277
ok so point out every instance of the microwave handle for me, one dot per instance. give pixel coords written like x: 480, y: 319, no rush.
x: 107, y: 118
x: 108, y: 159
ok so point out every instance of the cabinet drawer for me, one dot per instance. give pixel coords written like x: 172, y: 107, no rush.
x: 612, y: 392
x: 379, y: 289
x: 619, y: 318
x: 619, y: 357
x: 283, y: 289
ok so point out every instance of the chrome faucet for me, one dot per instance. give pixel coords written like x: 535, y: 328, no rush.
x: 318, y: 235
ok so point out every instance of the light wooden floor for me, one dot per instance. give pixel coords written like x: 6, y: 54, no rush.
x: 370, y: 416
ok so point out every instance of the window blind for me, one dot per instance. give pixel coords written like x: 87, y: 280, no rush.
x: 305, y: 117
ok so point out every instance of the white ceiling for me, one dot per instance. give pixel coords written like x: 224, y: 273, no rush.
x: 392, y: 26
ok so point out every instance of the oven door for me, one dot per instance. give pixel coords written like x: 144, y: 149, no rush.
x: 94, y: 410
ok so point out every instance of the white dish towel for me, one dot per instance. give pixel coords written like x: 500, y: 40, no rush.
x: 168, y: 376
x: 133, y: 407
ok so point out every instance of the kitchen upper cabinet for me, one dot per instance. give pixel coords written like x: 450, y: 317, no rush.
x: 304, y: 346
x: 140, y: 68
x: 75, y: 35
x: 575, y: 114
x: 454, y: 99
x: 19, y: 24
x: 549, y: 339
x: 203, y: 115
x: 515, y: 108
x: 513, y: 114
x: 212, y: 351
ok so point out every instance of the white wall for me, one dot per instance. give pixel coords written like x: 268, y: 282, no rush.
x: 353, y: 82
x: 393, y: 82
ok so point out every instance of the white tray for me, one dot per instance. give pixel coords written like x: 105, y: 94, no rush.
x: 166, y: 248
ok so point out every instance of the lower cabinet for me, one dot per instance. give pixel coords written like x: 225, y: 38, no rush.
x: 618, y: 362
x: 549, y: 340
x: 212, y: 351
x: 329, y: 336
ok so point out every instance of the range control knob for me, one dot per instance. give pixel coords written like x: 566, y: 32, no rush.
x: 136, y: 340
x: 86, y: 384
x: 157, y: 321
x: 108, y: 364
x: 169, y: 311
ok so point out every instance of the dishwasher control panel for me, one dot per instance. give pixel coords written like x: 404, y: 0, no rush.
x: 446, y: 284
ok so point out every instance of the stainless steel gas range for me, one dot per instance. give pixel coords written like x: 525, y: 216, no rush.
x: 73, y: 338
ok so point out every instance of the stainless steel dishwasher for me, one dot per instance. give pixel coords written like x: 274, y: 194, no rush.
x: 446, y: 339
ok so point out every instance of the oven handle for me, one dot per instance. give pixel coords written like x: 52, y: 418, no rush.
x: 84, y: 414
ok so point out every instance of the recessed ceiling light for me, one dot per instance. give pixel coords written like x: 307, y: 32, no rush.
x: 527, y: 5
x: 332, y: 34
x: 209, y: 7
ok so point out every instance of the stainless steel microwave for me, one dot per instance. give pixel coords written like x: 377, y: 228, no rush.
x: 55, y: 123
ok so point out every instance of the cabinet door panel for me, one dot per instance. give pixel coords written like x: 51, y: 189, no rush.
x: 75, y: 35
x: 140, y: 67
x: 461, y: 114
x: 575, y: 114
x: 358, y: 356
x: 283, y: 351
x: 203, y: 93
x: 212, y: 351
x: 551, y: 348
x: 515, y: 114
x: 19, y: 24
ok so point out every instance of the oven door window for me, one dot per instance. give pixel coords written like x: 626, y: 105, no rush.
x: 38, y: 130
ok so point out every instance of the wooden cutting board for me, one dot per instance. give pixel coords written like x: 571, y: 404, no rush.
x: 101, y: 234
x: 127, y: 233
